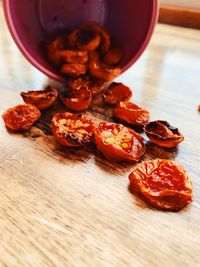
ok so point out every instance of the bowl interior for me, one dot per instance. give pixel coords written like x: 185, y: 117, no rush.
x: 130, y: 22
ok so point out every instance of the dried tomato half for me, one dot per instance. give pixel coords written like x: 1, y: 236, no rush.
x: 132, y: 114
x: 163, y: 134
x: 72, y: 130
x: 116, y: 93
x: 113, y: 57
x: 21, y: 117
x: 77, y: 100
x: 119, y: 143
x: 54, y: 47
x: 163, y: 183
x: 74, y: 69
x: 42, y: 99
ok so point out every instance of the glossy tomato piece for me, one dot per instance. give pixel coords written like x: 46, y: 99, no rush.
x: 72, y: 130
x: 132, y: 114
x: 77, y: 100
x: 116, y: 93
x: 42, y: 99
x: 163, y: 183
x: 74, y: 69
x: 119, y: 143
x: 113, y: 57
x: 21, y: 117
x: 163, y: 134
x: 54, y: 47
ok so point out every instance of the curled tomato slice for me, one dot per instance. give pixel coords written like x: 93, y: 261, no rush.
x: 116, y: 93
x: 113, y: 57
x: 132, y: 114
x: 77, y: 100
x: 163, y: 134
x: 71, y: 56
x: 21, y: 117
x: 72, y: 130
x: 119, y: 143
x: 163, y: 183
x: 74, y: 69
x: 42, y: 99
x: 54, y: 47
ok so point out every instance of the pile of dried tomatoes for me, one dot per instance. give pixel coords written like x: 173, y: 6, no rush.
x: 89, y: 62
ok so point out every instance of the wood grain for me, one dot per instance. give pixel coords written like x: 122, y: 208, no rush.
x: 71, y: 207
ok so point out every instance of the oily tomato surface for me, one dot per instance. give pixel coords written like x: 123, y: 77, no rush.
x: 132, y: 114
x: 163, y: 183
x: 21, y: 117
x: 72, y: 130
x: 42, y: 99
x: 163, y: 134
x: 116, y: 93
x: 119, y: 143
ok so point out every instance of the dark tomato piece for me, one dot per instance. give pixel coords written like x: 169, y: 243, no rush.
x: 163, y: 183
x: 96, y: 86
x: 116, y: 93
x: 21, y: 117
x: 163, y: 134
x: 74, y: 69
x: 71, y: 56
x: 41, y: 99
x: 54, y: 47
x: 132, y: 114
x: 119, y: 143
x: 72, y: 130
x: 77, y: 100
x: 113, y: 57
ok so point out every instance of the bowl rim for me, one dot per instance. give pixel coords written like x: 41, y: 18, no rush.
x: 57, y: 77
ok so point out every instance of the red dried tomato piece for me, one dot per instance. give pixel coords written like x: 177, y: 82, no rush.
x: 116, y: 93
x: 132, y: 114
x: 113, y: 57
x: 72, y: 130
x: 163, y: 134
x: 42, y: 99
x: 21, y: 117
x: 119, y: 143
x: 163, y: 183
x: 74, y: 69
x: 54, y: 47
x: 77, y: 100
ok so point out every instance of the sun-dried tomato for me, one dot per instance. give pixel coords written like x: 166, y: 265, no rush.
x: 77, y: 100
x: 54, y: 47
x: 74, y: 69
x: 163, y: 134
x: 21, y: 117
x: 116, y: 93
x: 132, y: 114
x: 42, y: 99
x: 71, y: 56
x: 119, y: 143
x: 163, y: 183
x: 72, y: 130
x: 113, y: 57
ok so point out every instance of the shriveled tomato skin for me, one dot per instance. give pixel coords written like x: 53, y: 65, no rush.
x: 116, y: 93
x: 42, y: 99
x: 72, y: 130
x: 129, y: 148
x: 163, y: 183
x: 21, y: 117
x: 163, y: 134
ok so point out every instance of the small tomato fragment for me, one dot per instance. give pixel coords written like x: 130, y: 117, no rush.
x: 71, y: 56
x: 119, y: 143
x: 113, y: 57
x: 77, y: 100
x: 163, y: 134
x: 116, y: 93
x: 163, y: 183
x: 42, y: 99
x: 72, y: 130
x: 74, y: 69
x: 21, y: 117
x: 132, y: 114
x: 54, y: 47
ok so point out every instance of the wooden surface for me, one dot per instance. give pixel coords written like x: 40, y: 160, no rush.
x: 181, y: 16
x: 73, y: 208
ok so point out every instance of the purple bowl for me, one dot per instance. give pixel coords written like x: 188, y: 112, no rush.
x: 131, y: 23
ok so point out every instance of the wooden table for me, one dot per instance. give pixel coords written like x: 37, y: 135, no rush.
x: 72, y: 207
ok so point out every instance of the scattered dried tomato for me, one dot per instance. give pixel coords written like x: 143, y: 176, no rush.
x: 163, y: 183
x: 54, y: 47
x: 74, y: 69
x: 21, y: 117
x: 42, y: 99
x: 132, y: 114
x: 72, y: 130
x: 119, y: 143
x: 116, y: 93
x: 77, y: 100
x: 163, y: 134
x: 113, y: 57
